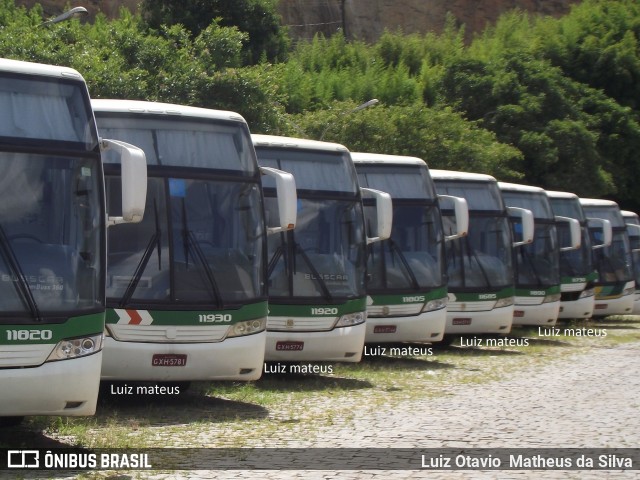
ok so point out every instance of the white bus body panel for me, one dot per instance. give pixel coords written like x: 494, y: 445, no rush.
x: 581, y: 308
x: 344, y: 344
x: 498, y: 320
x: 425, y: 327
x: 544, y: 314
x: 49, y: 388
x: 615, y: 306
x: 205, y: 361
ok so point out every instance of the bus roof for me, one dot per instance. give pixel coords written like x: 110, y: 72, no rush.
x: 557, y: 194
x: 597, y: 202
x: 29, y: 68
x: 157, y: 108
x: 380, y: 158
x: 465, y: 176
x: 291, y: 142
x: 516, y: 187
x: 628, y: 214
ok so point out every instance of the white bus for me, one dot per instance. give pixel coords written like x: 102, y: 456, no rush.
x: 480, y: 265
x: 577, y: 272
x: 186, y: 292
x: 53, y: 239
x: 615, y: 286
x: 537, y: 265
x: 317, y: 297
x: 633, y: 229
x: 406, y: 277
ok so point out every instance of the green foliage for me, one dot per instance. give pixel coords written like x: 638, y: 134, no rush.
x: 549, y: 102
x: 440, y: 136
x: 122, y: 59
x: 598, y: 45
x: 257, y: 19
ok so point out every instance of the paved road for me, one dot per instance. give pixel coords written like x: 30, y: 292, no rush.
x: 586, y: 401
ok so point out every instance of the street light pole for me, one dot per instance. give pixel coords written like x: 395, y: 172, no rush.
x: 73, y: 13
x: 362, y: 106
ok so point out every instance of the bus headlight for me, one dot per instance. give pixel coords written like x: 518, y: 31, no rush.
x: 554, y: 297
x: 589, y: 292
x: 76, y: 347
x: 247, y: 328
x: 504, y: 302
x: 436, y: 304
x: 351, y: 319
x: 629, y: 291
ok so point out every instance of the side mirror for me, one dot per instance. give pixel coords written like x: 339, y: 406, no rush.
x: 461, y: 211
x: 574, y: 232
x: 526, y: 218
x: 384, y: 213
x: 607, y: 232
x: 287, y: 199
x: 133, y: 178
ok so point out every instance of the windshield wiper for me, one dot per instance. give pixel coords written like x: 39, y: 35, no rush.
x: 393, y: 246
x: 529, y: 259
x: 472, y: 252
x: 291, y: 247
x: 22, y: 286
x: 190, y: 241
x: 154, y: 242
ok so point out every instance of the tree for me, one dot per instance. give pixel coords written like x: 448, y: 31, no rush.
x: 440, y: 136
x: 257, y: 18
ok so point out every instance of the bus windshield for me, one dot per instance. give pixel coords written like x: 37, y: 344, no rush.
x: 482, y: 259
x: 202, y: 239
x: 51, y: 113
x: 578, y: 262
x: 536, y: 264
x: 413, y: 258
x: 324, y: 256
x: 183, y: 142
x: 612, y: 263
x: 50, y: 248
x: 634, y: 243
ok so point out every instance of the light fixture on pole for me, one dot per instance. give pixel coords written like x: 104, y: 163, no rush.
x: 367, y: 104
x: 73, y: 13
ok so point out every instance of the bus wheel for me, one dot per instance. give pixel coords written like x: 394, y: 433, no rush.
x: 10, y: 421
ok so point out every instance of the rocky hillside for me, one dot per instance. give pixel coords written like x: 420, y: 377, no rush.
x: 367, y: 19
x: 360, y: 19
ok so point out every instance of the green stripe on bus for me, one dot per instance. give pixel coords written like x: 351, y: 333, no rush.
x: 318, y: 309
x: 409, y: 298
x: 195, y: 317
x: 52, y: 333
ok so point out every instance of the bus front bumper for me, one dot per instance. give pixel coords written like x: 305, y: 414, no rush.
x: 581, y: 308
x: 425, y: 327
x: 498, y: 320
x: 237, y: 358
x: 66, y: 387
x: 544, y: 314
x: 343, y: 344
x: 614, y: 306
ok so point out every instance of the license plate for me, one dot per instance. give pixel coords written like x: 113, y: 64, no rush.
x: 600, y: 306
x: 289, y: 346
x: 168, y: 360
x: 461, y: 321
x: 518, y: 313
x: 384, y: 329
